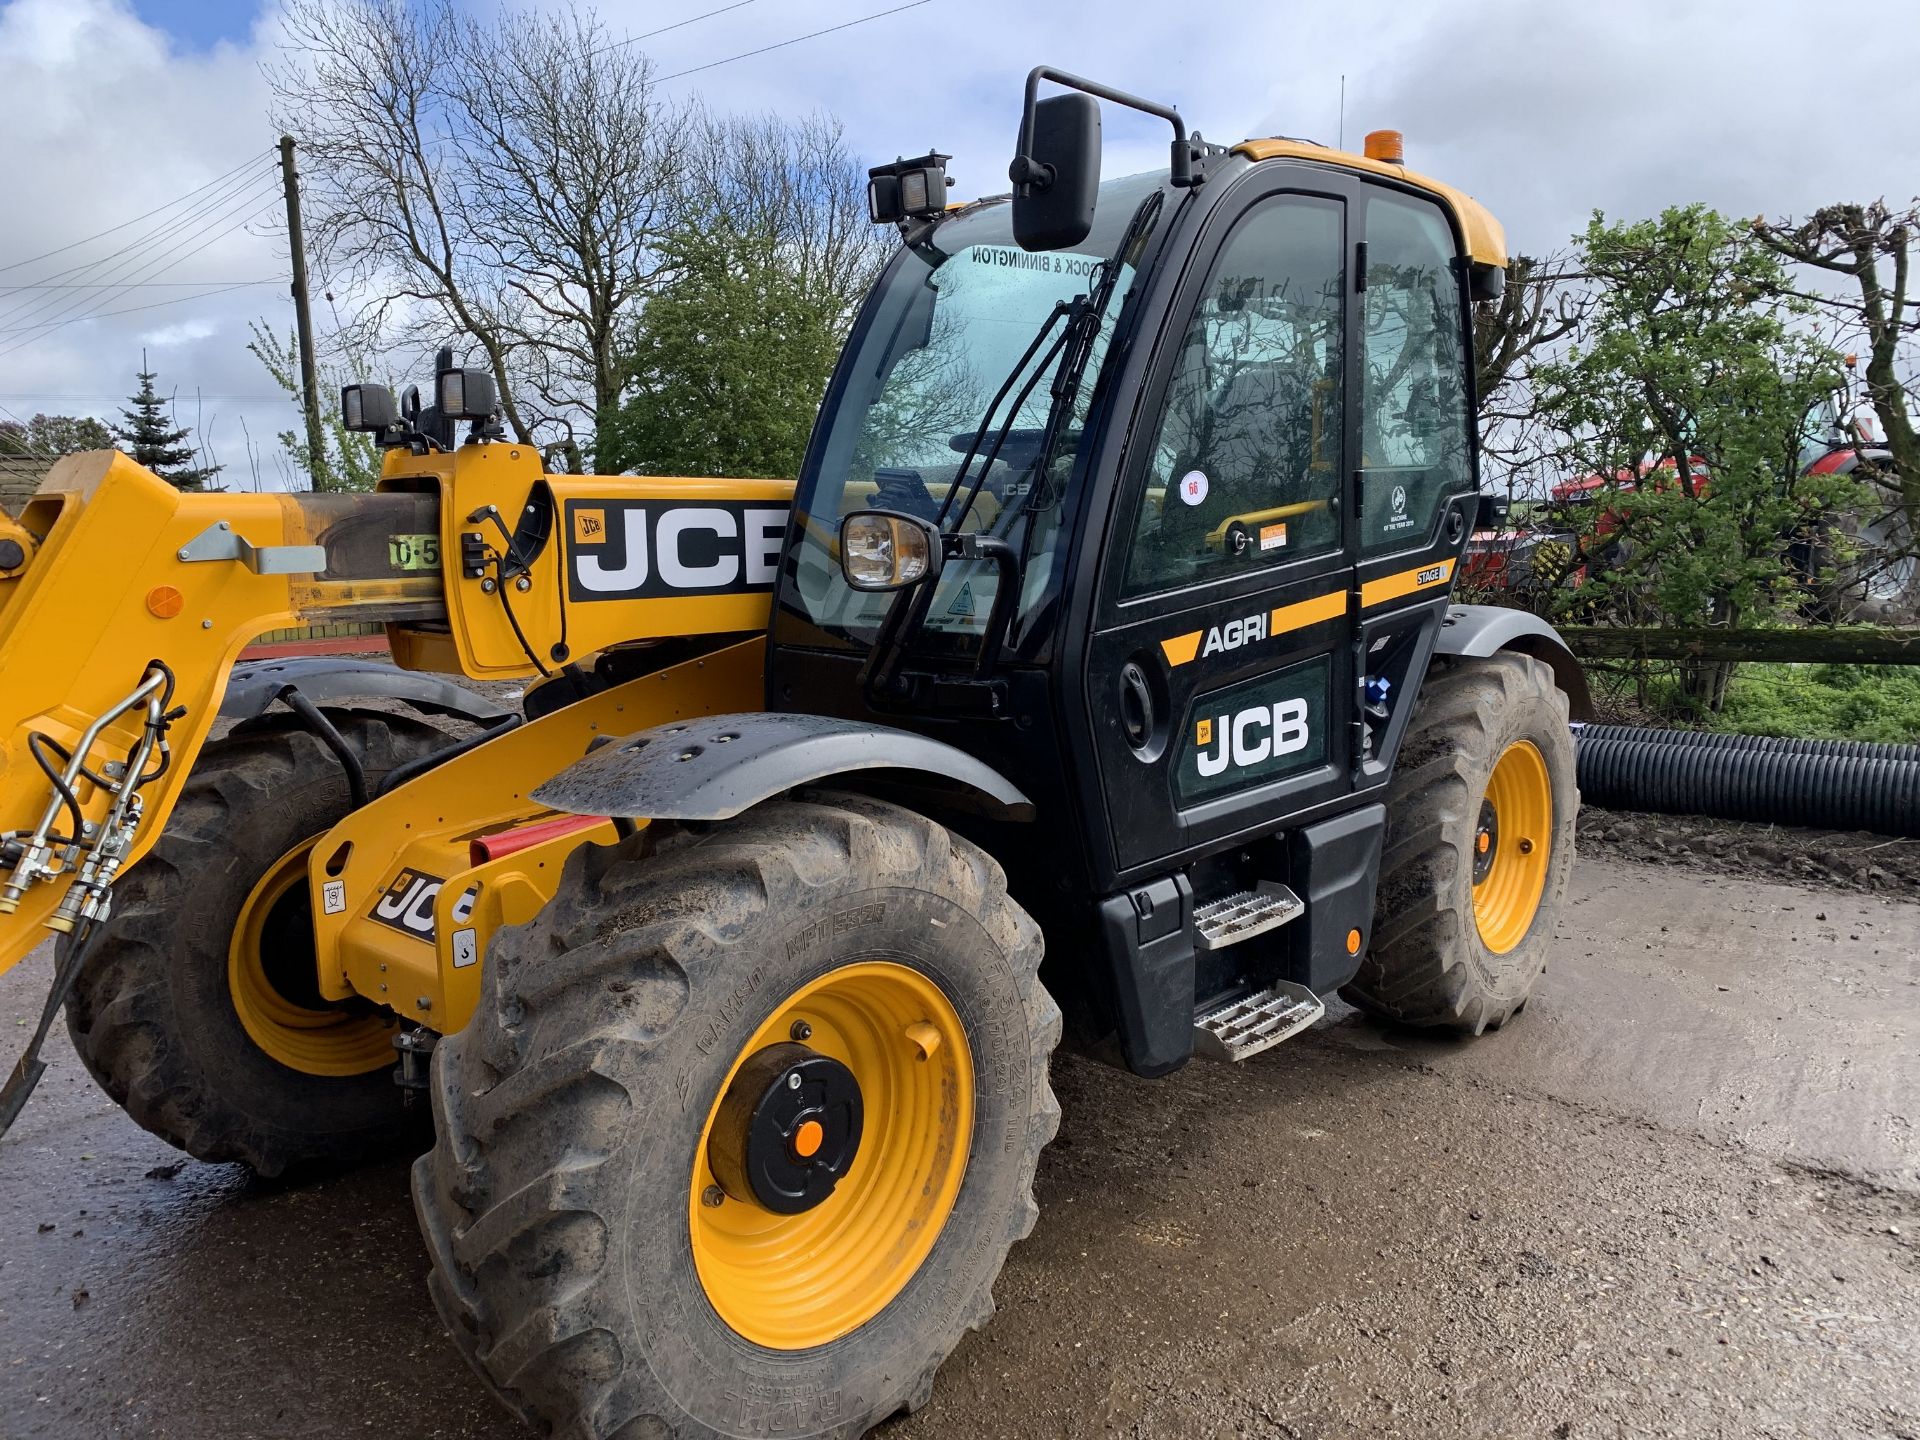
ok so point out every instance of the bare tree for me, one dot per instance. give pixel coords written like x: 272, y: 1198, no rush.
x: 1872, y: 246
x: 508, y: 179
x: 1540, y: 305
x: 794, y: 182
x: 366, y: 86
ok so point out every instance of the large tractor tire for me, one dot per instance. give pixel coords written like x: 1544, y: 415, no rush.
x: 743, y: 1128
x: 197, y: 1009
x: 1479, y: 845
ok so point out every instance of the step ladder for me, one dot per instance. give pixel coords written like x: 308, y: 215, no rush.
x: 1255, y: 1022
x: 1241, y: 916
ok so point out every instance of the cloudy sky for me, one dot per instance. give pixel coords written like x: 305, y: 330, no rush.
x: 1545, y: 109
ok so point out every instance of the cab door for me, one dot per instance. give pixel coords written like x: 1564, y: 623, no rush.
x: 1220, y: 676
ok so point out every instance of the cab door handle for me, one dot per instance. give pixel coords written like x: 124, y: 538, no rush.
x: 1136, y: 706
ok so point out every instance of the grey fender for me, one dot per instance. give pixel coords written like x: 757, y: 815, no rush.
x: 716, y: 767
x: 1477, y: 631
x: 330, y: 679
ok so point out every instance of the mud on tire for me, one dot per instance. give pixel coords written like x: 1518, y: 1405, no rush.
x: 1429, y: 963
x: 570, y: 1115
x: 152, y: 1015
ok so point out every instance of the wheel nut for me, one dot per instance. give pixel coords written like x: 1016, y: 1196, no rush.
x: 713, y: 1197
x: 793, y: 1081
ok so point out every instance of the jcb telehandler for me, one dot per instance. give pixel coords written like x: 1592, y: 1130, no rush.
x: 1111, y: 605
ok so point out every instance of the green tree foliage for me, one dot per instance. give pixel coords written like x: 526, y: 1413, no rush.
x: 349, y: 461
x: 50, y: 436
x: 727, y: 364
x: 149, y: 436
x: 1686, y: 394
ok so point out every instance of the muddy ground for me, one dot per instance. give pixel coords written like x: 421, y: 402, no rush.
x: 1679, y: 1196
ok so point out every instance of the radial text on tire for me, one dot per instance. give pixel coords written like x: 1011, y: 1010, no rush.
x: 1480, y: 822
x: 632, y: 1202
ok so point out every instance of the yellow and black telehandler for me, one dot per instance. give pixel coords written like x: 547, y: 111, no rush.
x: 1111, y: 605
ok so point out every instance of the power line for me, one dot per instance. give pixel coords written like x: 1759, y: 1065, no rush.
x: 677, y: 25
x: 130, y: 309
x: 15, y: 265
x: 117, y: 262
x: 143, y: 285
x: 254, y: 206
x: 139, y: 264
x: 815, y: 35
x: 116, y: 395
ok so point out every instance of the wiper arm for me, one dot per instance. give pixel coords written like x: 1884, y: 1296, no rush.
x: 974, y: 482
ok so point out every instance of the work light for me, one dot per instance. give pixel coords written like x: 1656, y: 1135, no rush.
x: 367, y: 408
x: 465, y: 394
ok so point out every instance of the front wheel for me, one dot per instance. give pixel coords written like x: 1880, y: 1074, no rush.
x: 1479, y: 845
x: 743, y: 1128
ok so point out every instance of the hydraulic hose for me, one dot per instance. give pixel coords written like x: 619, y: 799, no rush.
x: 1714, y: 740
x: 1772, y: 786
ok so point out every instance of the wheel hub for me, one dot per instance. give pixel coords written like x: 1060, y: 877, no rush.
x: 1486, y: 842
x: 787, y: 1130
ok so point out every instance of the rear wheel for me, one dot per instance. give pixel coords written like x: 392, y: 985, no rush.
x: 743, y: 1128
x: 1480, y: 823
x: 198, y: 1009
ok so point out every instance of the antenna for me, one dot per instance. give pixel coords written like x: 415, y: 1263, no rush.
x: 1342, y: 144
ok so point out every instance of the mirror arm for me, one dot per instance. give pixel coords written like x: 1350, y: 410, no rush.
x: 1038, y: 175
x: 1005, y: 592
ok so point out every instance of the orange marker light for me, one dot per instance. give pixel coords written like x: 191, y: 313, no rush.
x: 807, y: 1139
x: 1388, y: 145
x: 1353, y: 942
x: 164, y: 602
x: 1483, y: 842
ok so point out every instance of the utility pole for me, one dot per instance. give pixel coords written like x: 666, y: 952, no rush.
x: 303, y: 322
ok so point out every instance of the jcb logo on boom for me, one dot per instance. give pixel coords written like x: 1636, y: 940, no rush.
x: 1234, y: 634
x: 407, y: 904
x: 647, y: 549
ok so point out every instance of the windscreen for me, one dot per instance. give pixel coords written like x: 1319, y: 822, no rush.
x: 945, y: 334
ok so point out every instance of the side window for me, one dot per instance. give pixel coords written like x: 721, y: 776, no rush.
x: 1246, y: 462
x: 1413, y: 403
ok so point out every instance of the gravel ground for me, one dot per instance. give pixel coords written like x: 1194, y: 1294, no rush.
x: 1679, y: 1196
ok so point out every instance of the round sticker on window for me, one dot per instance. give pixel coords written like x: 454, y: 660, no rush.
x: 1193, y: 487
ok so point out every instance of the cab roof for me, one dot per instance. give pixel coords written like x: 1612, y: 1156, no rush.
x: 1486, y: 238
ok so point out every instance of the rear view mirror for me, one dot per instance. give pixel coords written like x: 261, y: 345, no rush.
x: 884, y: 550
x: 1056, y: 175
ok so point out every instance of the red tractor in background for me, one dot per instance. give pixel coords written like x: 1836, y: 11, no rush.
x: 1562, y: 539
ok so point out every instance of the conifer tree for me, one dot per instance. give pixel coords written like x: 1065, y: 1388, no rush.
x: 151, y: 440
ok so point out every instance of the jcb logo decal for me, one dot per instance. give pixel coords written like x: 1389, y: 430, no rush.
x: 647, y: 549
x: 407, y: 904
x: 1251, y: 737
x: 1255, y: 732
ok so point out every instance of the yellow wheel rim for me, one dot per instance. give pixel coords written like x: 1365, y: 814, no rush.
x: 266, y: 940
x: 1512, y: 845
x: 789, y: 1282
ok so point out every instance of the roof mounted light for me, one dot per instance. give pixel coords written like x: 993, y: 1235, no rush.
x: 1387, y: 145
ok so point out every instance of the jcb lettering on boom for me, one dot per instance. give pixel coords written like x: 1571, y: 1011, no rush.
x: 639, y: 550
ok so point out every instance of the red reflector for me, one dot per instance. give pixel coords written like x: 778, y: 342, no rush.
x: 508, y: 842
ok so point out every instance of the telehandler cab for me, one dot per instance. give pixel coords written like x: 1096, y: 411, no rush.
x: 1111, y: 604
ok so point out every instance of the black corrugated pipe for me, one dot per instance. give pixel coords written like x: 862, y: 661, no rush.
x: 1825, y: 792
x: 1713, y: 740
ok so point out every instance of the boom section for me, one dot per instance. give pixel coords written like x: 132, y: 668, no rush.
x: 124, y: 604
